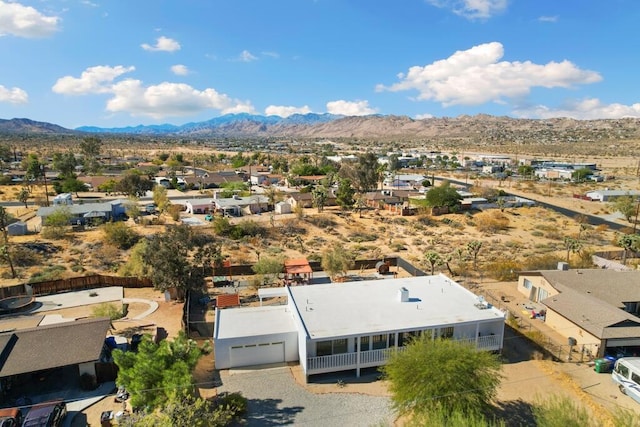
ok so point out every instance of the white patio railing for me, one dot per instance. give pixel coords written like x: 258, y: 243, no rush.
x: 345, y: 361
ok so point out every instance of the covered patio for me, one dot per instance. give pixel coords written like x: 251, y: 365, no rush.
x: 297, y: 272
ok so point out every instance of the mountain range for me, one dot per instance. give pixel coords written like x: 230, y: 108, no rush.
x: 481, y: 128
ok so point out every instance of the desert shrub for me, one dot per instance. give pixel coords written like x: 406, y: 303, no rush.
x: 398, y: 245
x: 360, y: 236
x: 491, y: 221
x: 503, y: 269
x: 537, y: 233
x: 562, y: 411
x: 292, y: 227
x: 249, y: 228
x: 322, y: 221
x: 174, y: 212
x: 542, y: 262
x: 53, y: 272
x: 109, y: 310
x: 24, y: 257
x: 399, y: 221
x: 427, y: 221
x: 120, y: 235
x: 77, y: 268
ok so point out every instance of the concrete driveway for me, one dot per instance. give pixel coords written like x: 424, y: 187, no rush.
x: 276, y: 399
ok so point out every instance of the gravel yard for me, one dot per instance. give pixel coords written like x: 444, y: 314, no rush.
x: 276, y: 399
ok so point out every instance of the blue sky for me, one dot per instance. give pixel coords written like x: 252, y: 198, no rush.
x: 127, y: 62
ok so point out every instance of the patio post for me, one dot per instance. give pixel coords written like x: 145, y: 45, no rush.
x: 358, y: 356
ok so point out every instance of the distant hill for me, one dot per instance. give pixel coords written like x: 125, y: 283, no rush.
x: 475, y: 130
x: 30, y: 126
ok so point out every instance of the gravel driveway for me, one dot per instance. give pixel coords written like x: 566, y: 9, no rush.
x: 276, y: 399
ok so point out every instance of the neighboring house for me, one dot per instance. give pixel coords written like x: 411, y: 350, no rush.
x: 355, y: 325
x: 35, y: 349
x: 212, y: 179
x: 199, y: 206
x: 62, y: 199
x: 404, y: 181
x: 297, y: 271
x: 607, y: 195
x: 394, y: 201
x: 85, y: 213
x: 597, y: 308
x: 265, y: 179
x: 238, y: 206
x: 305, y: 200
x: 554, y: 173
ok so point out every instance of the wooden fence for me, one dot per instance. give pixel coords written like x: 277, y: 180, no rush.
x: 73, y: 284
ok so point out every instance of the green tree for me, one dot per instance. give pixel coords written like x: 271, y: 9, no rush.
x: 443, y: 195
x: 109, y: 186
x: 65, y: 163
x: 23, y: 196
x: 628, y: 242
x: 269, y: 267
x: 434, y: 259
x: 367, y: 172
x: 337, y: 260
x: 158, y: 373
x: 133, y: 184
x: 581, y: 175
x: 571, y: 245
x: 132, y: 208
x: 161, y: 199
x: 627, y: 206
x: 90, y: 148
x: 344, y: 194
x: 167, y: 257
x: 319, y: 196
x: 57, y: 223
x: 473, y: 247
x: 120, y: 234
x: 71, y: 184
x: 209, y: 255
x: 5, y: 249
x: 34, y: 170
x: 526, y: 171
x: 442, y: 375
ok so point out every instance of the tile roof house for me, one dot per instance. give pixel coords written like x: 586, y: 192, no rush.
x: 598, y: 308
x: 354, y: 325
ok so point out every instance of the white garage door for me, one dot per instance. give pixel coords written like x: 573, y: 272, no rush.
x: 257, y: 354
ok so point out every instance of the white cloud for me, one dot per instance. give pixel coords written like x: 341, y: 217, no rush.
x: 96, y: 79
x: 246, y: 56
x: 423, y: 116
x: 548, y: 18
x: 170, y: 99
x: 179, y: 70
x: 13, y: 95
x: 271, y: 54
x: 350, y: 108
x: 284, y: 111
x: 472, y: 9
x: 25, y: 21
x: 475, y: 76
x: 586, y: 109
x: 163, y: 44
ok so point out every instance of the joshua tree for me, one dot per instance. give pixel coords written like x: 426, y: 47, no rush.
x: 474, y: 247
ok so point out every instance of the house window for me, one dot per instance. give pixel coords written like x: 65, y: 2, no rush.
x: 392, y: 340
x: 379, y: 342
x: 323, y: 348
x: 446, y: 332
x: 340, y: 346
x: 327, y: 348
x: 527, y: 284
x: 364, y: 343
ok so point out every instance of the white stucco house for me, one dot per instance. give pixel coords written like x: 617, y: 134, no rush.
x: 355, y: 325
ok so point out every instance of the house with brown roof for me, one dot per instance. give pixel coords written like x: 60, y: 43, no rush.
x: 598, y: 309
x: 78, y: 344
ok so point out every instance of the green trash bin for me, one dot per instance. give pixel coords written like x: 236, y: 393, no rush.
x: 603, y: 366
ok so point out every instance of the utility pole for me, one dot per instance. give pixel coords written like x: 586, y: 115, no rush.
x: 44, y: 177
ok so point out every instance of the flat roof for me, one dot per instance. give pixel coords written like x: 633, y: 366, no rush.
x: 254, y: 321
x: 373, y: 306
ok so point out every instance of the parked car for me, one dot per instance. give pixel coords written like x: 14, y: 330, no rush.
x: 47, y: 414
x: 208, y: 217
x: 10, y: 417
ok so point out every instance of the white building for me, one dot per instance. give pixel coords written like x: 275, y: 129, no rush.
x: 607, y: 195
x: 351, y: 326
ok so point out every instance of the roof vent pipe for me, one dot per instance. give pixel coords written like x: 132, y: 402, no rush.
x: 403, y: 294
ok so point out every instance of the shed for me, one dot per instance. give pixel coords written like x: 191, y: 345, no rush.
x: 283, y: 208
x: 17, y: 229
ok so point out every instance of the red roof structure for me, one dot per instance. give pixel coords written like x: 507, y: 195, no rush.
x: 297, y: 271
x: 228, y: 300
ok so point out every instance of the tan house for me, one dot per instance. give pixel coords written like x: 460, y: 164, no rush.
x: 596, y: 309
